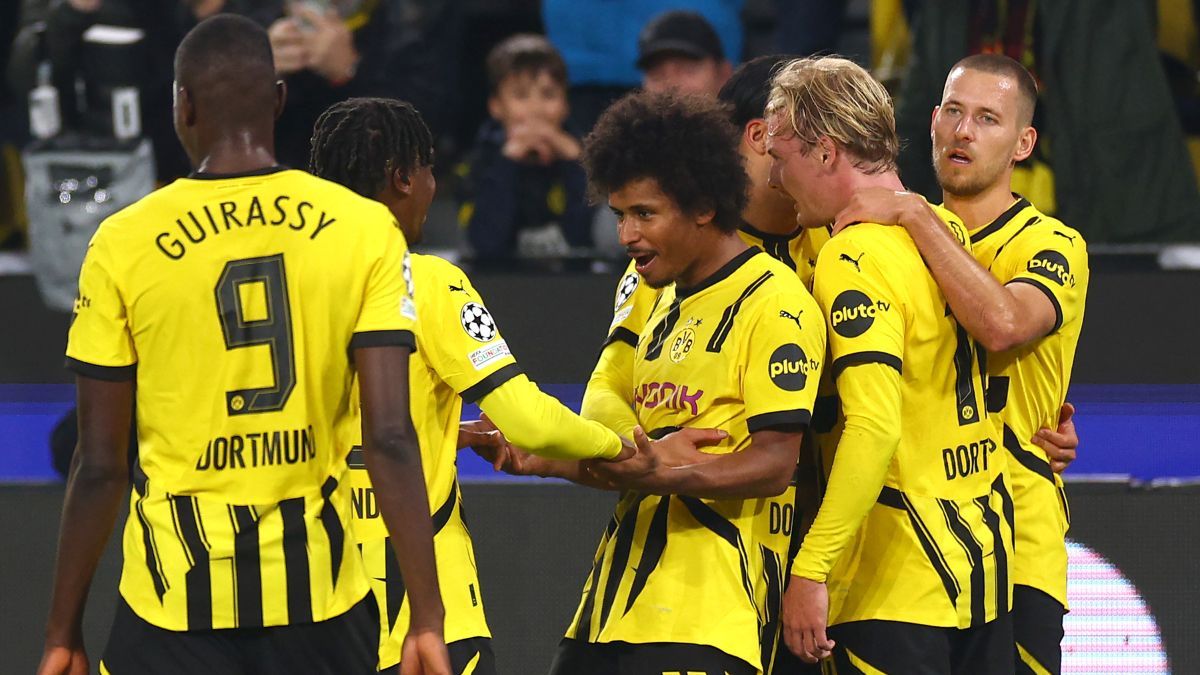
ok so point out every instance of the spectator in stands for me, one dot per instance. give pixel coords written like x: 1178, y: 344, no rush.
x: 680, y: 50
x: 1113, y: 154
x: 523, y: 193
x: 598, y: 41
x: 397, y: 48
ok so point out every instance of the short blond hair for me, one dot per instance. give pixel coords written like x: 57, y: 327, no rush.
x: 834, y: 97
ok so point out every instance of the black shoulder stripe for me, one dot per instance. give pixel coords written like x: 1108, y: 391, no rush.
x: 1058, y: 313
x: 726, y: 325
x: 621, y: 334
x: 487, y: 385
x: 843, y: 362
x: 999, y: 223
x: 1029, y: 223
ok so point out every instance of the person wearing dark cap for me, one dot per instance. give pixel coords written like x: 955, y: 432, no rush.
x: 679, y: 50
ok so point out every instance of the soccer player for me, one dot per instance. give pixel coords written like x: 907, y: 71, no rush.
x: 381, y: 148
x: 233, y: 305
x: 1021, y: 296
x: 683, y: 580
x: 912, y: 536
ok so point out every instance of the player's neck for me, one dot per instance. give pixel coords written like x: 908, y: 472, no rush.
x: 238, y: 153
x: 857, y: 180
x: 771, y: 216
x: 717, y: 254
x: 980, y: 209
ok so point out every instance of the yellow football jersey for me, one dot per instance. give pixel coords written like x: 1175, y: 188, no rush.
x: 935, y: 546
x: 461, y: 356
x: 797, y: 250
x: 235, y: 302
x: 1028, y: 385
x: 742, y: 352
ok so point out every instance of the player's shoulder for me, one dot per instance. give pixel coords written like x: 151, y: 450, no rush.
x: 435, y: 268
x: 1054, y: 231
x: 782, y: 286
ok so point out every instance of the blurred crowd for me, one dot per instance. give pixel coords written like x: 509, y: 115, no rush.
x: 510, y: 87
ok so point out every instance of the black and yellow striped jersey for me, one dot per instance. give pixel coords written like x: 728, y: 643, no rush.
x: 1027, y: 385
x: 741, y: 351
x: 461, y: 355
x: 235, y: 303
x: 933, y: 547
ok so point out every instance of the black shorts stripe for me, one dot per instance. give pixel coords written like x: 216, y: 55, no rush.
x: 932, y: 552
x: 1000, y: 556
x: 247, y: 571
x: 783, y: 420
x: 1024, y: 457
x: 659, y: 335
x: 442, y: 516
x: 334, y: 529
x: 962, y: 533
x: 383, y: 338
x: 198, y: 579
x: 1066, y: 507
x: 153, y: 560
x: 393, y: 581
x: 620, y: 556
x: 652, y: 550
x: 621, y: 334
x: 717, y: 341
x: 717, y: 524
x: 589, y: 601
x: 890, y: 496
x: 295, y: 560
x: 1058, y: 312
x: 843, y: 362
x: 487, y: 385
x: 356, y: 459
x: 106, y: 373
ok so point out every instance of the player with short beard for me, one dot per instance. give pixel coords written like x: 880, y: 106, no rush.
x: 1022, y: 296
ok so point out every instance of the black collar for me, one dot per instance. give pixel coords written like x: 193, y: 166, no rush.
x: 769, y: 236
x: 999, y: 223
x: 265, y: 171
x: 720, y: 275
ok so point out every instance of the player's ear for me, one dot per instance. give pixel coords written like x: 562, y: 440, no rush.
x: 280, y: 97
x: 754, y: 134
x: 402, y: 181
x: 827, y: 150
x: 494, y: 106
x: 705, y: 217
x: 1025, y: 143
x: 185, y: 108
x: 933, y: 119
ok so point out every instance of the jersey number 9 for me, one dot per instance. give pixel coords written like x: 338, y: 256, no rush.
x: 272, y: 328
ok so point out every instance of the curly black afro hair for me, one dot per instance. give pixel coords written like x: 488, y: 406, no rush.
x: 685, y: 143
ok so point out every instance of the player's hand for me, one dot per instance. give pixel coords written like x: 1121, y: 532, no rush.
x: 288, y: 46
x: 329, y: 43
x: 877, y: 205
x: 64, y: 661
x: 805, y: 613
x: 1061, y: 444
x: 680, y: 448
x: 424, y: 653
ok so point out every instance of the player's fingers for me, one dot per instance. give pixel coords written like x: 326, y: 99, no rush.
x: 703, y: 437
x: 808, y: 652
x: 1055, y: 443
x: 1066, y: 413
x: 641, y: 439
